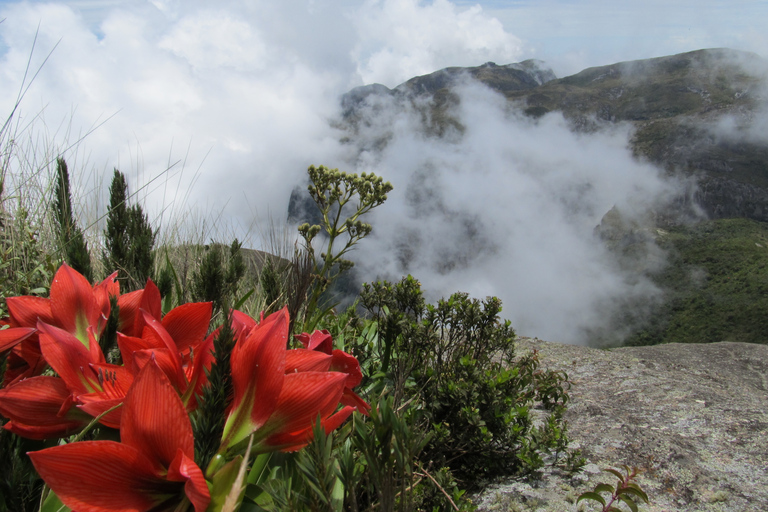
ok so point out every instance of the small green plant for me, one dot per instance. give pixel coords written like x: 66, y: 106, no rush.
x: 626, y: 491
x: 71, y: 239
x: 218, y: 277
x: 128, y: 237
x: 335, y: 193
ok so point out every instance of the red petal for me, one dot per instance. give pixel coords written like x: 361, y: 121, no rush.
x: 304, y: 396
x: 347, y: 363
x: 115, y: 382
x: 95, y: 404
x: 69, y: 358
x: 102, y: 292
x: 154, y: 420
x: 102, y: 476
x: 318, y: 340
x: 165, y: 360
x: 297, y: 440
x: 352, y: 399
x: 153, y: 327
x: 188, y: 324
x: 128, y: 305
x: 303, y: 360
x: 26, y: 311
x: 258, y: 366
x: 151, y: 302
x: 242, y: 323
x: 9, y: 338
x: 34, y: 405
x: 24, y: 361
x: 72, y: 302
x: 184, y: 469
x: 198, y: 376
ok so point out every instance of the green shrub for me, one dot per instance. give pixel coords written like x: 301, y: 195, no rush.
x: 456, y: 358
x: 128, y: 237
x: 71, y: 239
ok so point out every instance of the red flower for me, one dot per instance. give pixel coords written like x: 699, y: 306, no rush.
x: 278, y: 408
x: 152, y: 468
x: 74, y: 305
x: 43, y: 407
x: 318, y: 355
x: 178, y: 344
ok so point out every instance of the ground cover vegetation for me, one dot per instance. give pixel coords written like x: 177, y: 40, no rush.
x: 714, y: 284
x: 441, y: 401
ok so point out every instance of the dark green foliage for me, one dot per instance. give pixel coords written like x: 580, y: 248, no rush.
x: 142, y: 240
x: 390, y: 443
x: 108, y: 339
x: 71, y: 239
x: 165, y: 281
x: 271, y: 291
x: 235, y: 267
x: 128, y: 238
x: 218, y: 277
x: 19, y: 484
x: 116, y: 234
x: 208, y: 420
x: 208, y: 281
x: 715, y: 284
x: 457, y: 359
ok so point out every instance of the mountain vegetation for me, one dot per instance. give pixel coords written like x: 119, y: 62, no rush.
x: 696, y: 116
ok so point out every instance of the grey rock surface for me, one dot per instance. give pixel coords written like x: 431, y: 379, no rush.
x: 691, y: 417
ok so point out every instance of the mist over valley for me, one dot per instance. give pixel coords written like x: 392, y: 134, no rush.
x: 574, y: 200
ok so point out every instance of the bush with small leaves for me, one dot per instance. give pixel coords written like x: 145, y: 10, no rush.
x: 457, y: 359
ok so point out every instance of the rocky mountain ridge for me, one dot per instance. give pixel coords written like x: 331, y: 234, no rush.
x: 694, y: 114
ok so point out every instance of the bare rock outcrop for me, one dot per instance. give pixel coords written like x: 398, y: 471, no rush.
x: 692, y: 417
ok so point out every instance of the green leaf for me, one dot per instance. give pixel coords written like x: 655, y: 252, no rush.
x: 53, y: 504
x: 259, y: 469
x: 223, y: 481
x: 634, y: 489
x: 604, y: 488
x: 589, y: 495
x: 629, y: 502
x: 244, y: 298
x: 616, y: 473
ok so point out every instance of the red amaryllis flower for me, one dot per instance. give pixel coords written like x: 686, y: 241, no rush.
x: 43, y: 407
x: 152, y: 469
x: 74, y: 305
x: 178, y: 344
x: 278, y: 408
x: 319, y: 355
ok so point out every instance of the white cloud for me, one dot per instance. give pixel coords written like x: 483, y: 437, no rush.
x: 400, y: 39
x: 508, y: 208
x: 211, y: 39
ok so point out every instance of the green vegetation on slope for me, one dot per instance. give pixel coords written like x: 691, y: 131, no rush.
x: 716, y: 285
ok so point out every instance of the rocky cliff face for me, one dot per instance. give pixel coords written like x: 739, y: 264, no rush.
x: 691, y: 417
